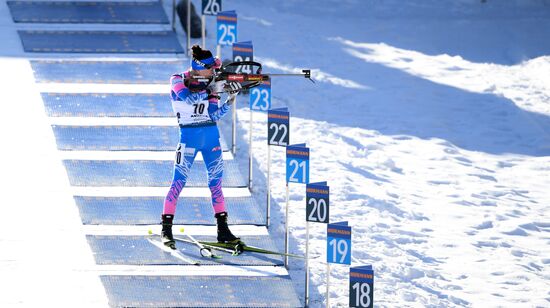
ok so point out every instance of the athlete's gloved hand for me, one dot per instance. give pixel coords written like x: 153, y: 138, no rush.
x: 232, y: 87
x: 217, y: 86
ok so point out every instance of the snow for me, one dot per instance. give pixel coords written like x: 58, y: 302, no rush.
x: 430, y: 120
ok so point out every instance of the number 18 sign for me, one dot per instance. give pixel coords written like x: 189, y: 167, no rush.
x: 361, y: 286
x: 297, y: 163
x: 339, y: 243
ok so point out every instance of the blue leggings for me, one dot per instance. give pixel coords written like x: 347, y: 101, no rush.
x: 205, y: 139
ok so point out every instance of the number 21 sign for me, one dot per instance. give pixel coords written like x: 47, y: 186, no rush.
x: 297, y: 163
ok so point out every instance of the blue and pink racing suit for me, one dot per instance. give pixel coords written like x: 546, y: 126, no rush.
x: 197, y: 116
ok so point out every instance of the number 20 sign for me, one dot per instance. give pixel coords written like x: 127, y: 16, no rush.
x: 339, y: 243
x: 297, y: 163
x: 317, y: 202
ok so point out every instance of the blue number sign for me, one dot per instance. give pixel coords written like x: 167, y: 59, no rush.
x: 361, y: 286
x: 339, y: 243
x: 243, y: 51
x: 278, y: 127
x: 317, y: 202
x: 211, y: 7
x: 297, y: 163
x: 227, y: 27
x: 260, y: 97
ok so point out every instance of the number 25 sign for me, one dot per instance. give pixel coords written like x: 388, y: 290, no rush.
x: 227, y: 27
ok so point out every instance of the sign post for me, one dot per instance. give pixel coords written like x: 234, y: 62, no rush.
x: 240, y: 51
x: 278, y: 134
x: 297, y: 171
x: 317, y: 210
x: 361, y: 286
x: 209, y: 7
x: 260, y: 100
x: 338, y: 248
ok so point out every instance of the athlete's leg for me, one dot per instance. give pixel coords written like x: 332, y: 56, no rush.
x: 185, y: 156
x: 213, y: 160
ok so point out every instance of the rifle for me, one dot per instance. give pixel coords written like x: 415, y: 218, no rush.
x: 233, y: 72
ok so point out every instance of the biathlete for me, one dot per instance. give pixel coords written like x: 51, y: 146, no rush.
x: 195, y: 102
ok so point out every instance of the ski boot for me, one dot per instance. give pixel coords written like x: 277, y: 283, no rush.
x: 166, y: 234
x: 225, y: 235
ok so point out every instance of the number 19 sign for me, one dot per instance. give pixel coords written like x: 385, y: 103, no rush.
x: 227, y: 27
x: 361, y: 286
x: 339, y: 243
x: 297, y: 163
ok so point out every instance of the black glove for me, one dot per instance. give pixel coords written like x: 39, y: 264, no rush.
x: 232, y: 87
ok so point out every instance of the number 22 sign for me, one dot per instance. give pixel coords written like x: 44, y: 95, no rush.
x: 278, y: 127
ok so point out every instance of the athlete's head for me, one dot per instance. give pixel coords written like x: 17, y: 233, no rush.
x: 202, y: 61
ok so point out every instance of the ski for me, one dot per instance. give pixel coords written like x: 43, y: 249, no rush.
x: 204, y: 250
x: 238, y: 246
x: 173, y: 252
x: 184, y: 240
